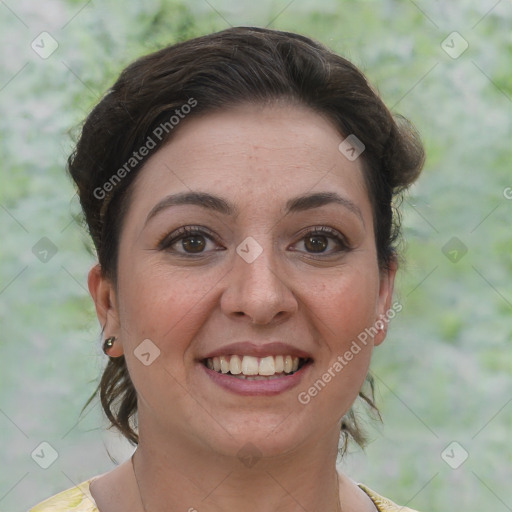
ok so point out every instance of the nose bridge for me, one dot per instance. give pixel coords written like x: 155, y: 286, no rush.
x: 257, y: 263
x: 256, y: 286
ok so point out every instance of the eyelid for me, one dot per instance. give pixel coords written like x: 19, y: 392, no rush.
x: 186, y: 231
x: 182, y: 232
x: 326, y: 231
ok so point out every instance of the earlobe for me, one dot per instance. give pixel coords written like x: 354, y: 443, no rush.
x: 103, y: 294
x: 387, y: 283
x: 111, y: 348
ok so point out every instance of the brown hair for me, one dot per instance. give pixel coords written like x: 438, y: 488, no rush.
x: 218, y: 71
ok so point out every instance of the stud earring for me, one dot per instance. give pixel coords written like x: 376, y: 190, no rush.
x: 108, y: 344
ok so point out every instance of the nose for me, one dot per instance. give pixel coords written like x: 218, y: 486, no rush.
x: 258, y: 290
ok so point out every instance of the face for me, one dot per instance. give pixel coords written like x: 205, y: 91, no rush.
x: 262, y: 272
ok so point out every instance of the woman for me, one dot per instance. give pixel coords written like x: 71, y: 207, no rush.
x: 239, y: 191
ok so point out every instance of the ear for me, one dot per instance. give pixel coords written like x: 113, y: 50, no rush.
x: 103, y: 293
x: 387, y: 283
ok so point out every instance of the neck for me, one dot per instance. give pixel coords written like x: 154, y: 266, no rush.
x: 175, y: 476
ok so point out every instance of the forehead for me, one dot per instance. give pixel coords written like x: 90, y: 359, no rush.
x: 259, y: 156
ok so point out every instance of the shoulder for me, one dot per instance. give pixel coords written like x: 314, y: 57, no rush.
x: 76, y: 499
x: 383, y: 504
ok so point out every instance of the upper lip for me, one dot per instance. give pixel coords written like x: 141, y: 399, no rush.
x: 249, y: 348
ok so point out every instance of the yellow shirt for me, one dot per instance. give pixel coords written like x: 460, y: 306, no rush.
x: 79, y: 499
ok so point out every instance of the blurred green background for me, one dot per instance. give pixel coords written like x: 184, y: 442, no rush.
x: 444, y: 373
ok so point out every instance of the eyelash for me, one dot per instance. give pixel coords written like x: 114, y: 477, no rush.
x: 188, y: 231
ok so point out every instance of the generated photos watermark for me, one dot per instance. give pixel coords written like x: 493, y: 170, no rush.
x: 156, y: 136
x: 343, y: 360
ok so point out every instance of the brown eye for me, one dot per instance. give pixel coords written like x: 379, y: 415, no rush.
x: 318, y: 241
x: 193, y: 241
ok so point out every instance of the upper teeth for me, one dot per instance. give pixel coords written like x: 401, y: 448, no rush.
x: 249, y: 365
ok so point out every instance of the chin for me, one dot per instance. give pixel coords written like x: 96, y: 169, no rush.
x: 259, y: 435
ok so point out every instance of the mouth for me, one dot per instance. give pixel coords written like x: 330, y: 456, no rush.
x: 246, y: 367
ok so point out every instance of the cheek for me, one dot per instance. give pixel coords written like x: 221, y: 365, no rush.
x: 161, y: 303
x: 344, y: 305
x: 343, y: 310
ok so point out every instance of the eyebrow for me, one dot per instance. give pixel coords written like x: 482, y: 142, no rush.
x: 220, y: 205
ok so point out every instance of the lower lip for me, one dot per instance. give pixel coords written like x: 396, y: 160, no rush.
x: 256, y: 387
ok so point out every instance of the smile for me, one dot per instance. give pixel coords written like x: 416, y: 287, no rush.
x: 255, y: 368
x: 256, y: 376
